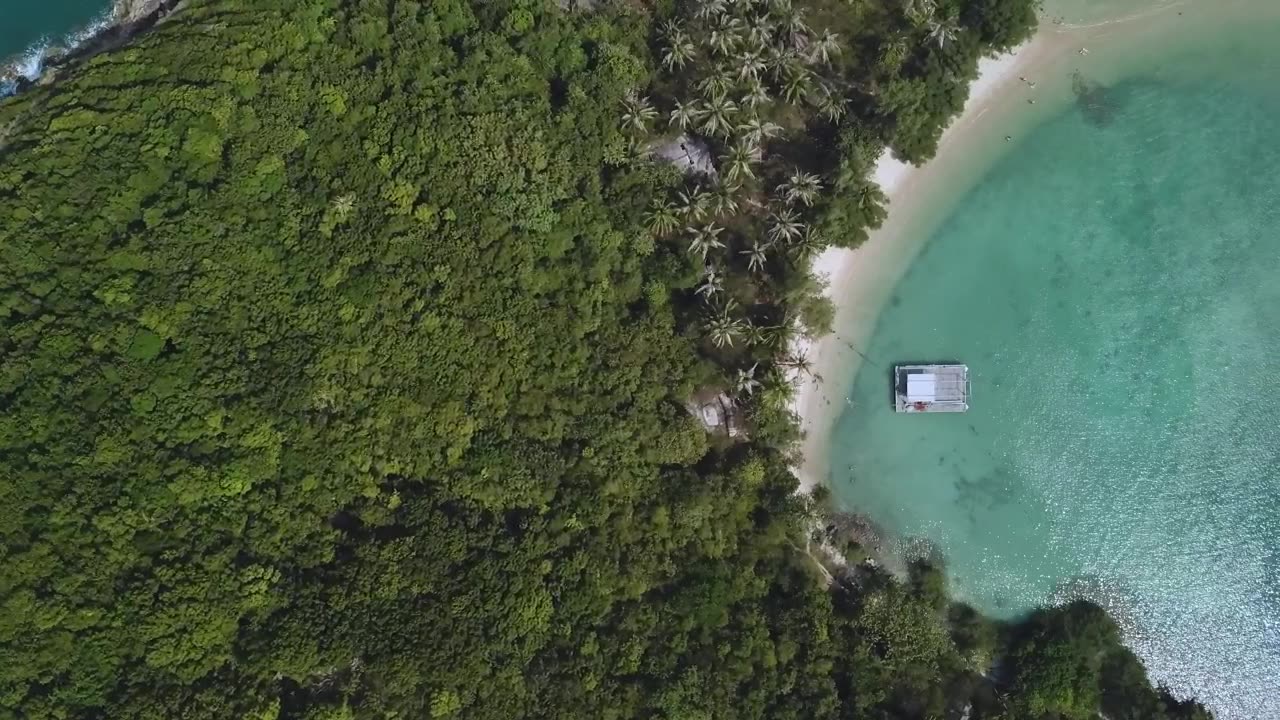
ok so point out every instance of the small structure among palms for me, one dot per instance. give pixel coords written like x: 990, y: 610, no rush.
x: 716, y: 411
x: 689, y: 154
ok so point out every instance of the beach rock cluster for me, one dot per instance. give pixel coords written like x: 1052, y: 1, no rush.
x: 131, y: 11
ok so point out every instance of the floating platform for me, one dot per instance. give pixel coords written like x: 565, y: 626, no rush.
x: 930, y: 388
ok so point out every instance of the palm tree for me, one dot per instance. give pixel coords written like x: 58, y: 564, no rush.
x: 723, y: 201
x: 739, y: 160
x: 943, y: 32
x: 708, y: 9
x: 825, y: 47
x: 894, y: 53
x: 760, y: 32
x: 725, y: 36
x: 807, y: 245
x: 716, y: 84
x: 777, y: 392
x: 662, y: 218
x: 756, y: 131
x: 684, y: 114
x: 639, y: 150
x: 757, y: 256
x: 783, y: 63
x: 919, y: 12
x: 750, y: 65
x: 712, y: 283
x: 693, y: 204
x: 794, y: 24
x: 754, y: 335
x: 678, y: 52
x: 705, y: 239
x: 343, y: 205
x: 719, y: 117
x: 796, y: 362
x: 637, y: 111
x: 756, y: 96
x: 870, y: 197
x: 779, y: 336
x: 830, y: 104
x: 723, y: 329
x: 745, y: 383
x: 784, y: 226
x: 801, y: 187
x: 796, y: 86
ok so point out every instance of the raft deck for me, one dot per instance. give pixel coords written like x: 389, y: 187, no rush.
x: 930, y: 388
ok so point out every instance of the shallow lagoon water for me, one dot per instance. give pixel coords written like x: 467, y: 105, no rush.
x: 1114, y: 283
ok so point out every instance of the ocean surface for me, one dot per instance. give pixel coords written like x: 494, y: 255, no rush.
x: 26, y: 28
x: 1113, y: 282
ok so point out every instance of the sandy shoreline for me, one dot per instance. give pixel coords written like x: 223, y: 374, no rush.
x: 1001, y: 107
x: 833, y: 360
x: 859, y: 280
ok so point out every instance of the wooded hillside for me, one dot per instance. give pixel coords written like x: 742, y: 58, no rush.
x: 344, y: 354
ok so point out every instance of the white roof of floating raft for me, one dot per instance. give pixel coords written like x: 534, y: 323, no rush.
x: 922, y: 387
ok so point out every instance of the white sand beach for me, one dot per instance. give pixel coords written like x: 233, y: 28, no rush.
x: 1012, y: 93
x: 857, y: 278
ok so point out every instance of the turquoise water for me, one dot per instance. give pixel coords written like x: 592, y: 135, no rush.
x: 27, y: 27
x: 1114, y: 285
x: 25, y: 24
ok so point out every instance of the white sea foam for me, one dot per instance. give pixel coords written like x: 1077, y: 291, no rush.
x: 30, y: 64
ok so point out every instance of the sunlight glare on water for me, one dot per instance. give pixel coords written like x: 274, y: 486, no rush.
x: 1112, y: 283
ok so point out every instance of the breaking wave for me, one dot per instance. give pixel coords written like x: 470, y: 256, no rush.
x: 30, y: 64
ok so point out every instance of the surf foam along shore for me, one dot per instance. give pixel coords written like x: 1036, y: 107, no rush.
x: 30, y: 64
x: 123, y: 19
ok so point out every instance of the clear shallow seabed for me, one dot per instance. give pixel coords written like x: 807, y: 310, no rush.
x: 1114, y: 285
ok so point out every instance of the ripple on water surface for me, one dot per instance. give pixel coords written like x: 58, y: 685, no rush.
x: 1113, y: 286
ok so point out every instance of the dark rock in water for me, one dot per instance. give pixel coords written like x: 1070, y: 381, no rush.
x: 1096, y: 101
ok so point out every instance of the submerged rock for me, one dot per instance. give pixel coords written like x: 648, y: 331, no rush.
x: 1095, y: 100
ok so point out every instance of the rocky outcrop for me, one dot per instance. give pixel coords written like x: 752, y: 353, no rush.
x: 128, y: 12
x: 128, y: 18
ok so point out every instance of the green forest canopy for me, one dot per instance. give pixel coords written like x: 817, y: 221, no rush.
x: 345, y: 348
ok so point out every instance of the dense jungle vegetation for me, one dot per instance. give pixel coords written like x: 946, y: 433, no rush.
x: 344, y: 354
